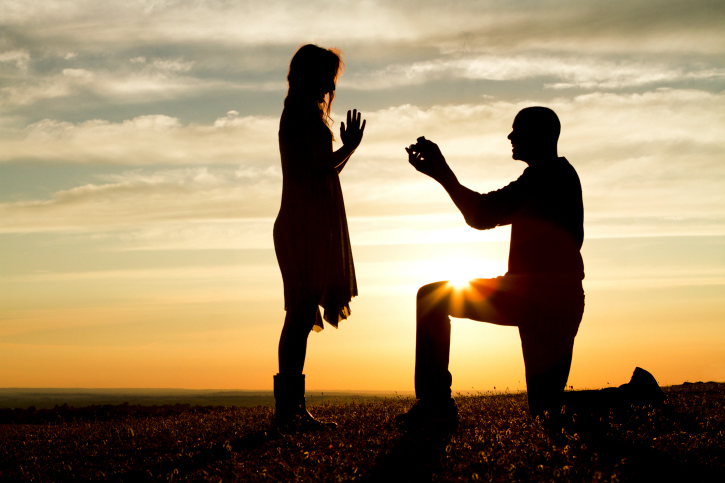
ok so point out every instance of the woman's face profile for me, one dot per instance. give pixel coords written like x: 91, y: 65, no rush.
x: 327, y: 86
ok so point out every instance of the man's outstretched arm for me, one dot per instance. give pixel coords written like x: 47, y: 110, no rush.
x: 426, y: 157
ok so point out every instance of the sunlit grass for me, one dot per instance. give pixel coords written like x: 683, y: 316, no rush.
x: 496, y: 441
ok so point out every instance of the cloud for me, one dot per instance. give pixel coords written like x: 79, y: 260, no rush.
x: 173, y: 65
x: 150, y: 139
x: 133, y: 22
x: 78, y: 74
x: 139, y: 198
x: 158, y: 80
x: 582, y: 72
x: 666, y: 24
x: 20, y: 58
x: 640, y: 157
x: 149, y: 53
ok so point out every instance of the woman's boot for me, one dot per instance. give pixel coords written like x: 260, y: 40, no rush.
x: 290, y: 411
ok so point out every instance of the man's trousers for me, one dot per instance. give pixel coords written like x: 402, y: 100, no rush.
x: 546, y: 310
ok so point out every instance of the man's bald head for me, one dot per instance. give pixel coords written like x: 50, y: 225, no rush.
x: 535, y: 134
x: 540, y: 120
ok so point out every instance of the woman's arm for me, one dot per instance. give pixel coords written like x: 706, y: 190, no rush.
x: 323, y: 157
x: 341, y: 156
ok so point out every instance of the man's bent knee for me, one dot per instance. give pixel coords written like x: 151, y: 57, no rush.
x: 433, y: 298
x: 436, y: 289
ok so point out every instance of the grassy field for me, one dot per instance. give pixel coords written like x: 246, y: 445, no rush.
x: 45, y: 398
x: 496, y: 441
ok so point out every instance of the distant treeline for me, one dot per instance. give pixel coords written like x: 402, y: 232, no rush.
x: 96, y: 412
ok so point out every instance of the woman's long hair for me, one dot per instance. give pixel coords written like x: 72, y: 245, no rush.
x: 310, y: 70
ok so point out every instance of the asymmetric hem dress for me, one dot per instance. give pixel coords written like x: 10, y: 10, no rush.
x: 311, y: 238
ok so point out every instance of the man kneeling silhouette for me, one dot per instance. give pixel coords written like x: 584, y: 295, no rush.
x: 541, y: 293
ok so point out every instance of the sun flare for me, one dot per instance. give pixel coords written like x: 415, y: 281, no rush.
x: 457, y: 271
x: 459, y: 282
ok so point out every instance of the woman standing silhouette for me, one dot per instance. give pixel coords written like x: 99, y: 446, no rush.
x: 310, y: 234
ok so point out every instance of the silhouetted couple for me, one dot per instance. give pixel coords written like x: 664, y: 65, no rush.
x: 541, y: 294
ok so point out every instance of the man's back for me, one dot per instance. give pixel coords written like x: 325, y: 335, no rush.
x: 545, y: 210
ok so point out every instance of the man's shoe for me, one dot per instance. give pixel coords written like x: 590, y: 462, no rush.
x: 430, y: 415
x: 643, y: 389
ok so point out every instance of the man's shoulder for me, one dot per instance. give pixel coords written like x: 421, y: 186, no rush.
x: 559, y: 167
x: 537, y: 177
x: 568, y: 168
x: 564, y: 162
x: 555, y: 174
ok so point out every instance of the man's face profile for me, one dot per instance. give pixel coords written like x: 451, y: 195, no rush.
x: 534, y: 134
x: 522, y: 139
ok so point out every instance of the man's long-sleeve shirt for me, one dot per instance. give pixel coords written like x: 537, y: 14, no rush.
x: 545, y: 210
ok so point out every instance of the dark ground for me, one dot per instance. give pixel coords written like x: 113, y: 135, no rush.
x: 496, y: 441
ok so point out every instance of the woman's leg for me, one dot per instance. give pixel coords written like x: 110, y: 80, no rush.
x: 293, y: 340
x: 289, y: 384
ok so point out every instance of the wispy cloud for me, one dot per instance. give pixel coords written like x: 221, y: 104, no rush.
x: 640, y: 156
x: 17, y: 58
x: 476, y: 40
x: 137, y: 198
x: 629, y: 136
x: 151, y: 139
x: 667, y: 23
x: 582, y: 72
x: 158, y: 80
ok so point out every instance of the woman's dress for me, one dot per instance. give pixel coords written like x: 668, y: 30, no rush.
x: 311, y: 238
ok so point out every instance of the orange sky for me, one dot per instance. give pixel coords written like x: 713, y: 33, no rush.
x: 140, y: 177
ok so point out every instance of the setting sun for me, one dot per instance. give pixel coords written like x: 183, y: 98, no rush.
x: 459, y: 282
x: 457, y: 270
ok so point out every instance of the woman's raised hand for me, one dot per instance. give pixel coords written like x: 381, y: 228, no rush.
x: 353, y: 134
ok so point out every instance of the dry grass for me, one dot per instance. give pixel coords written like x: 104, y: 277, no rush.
x: 496, y: 441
